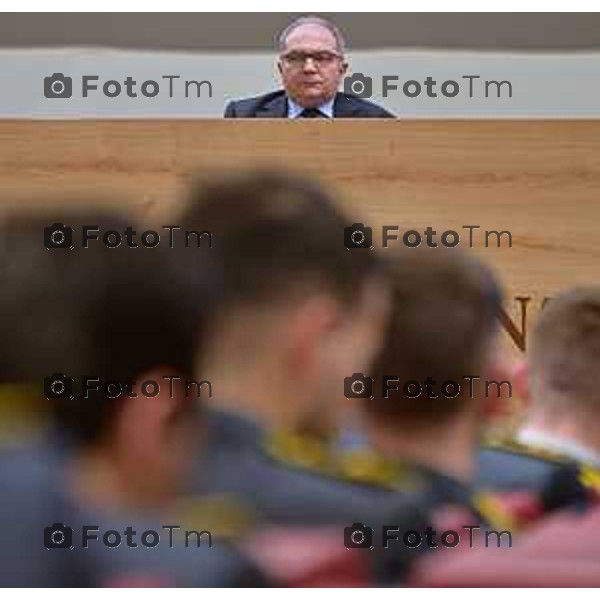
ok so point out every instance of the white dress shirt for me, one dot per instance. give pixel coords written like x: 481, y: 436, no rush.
x: 553, y: 443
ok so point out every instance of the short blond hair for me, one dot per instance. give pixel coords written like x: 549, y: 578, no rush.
x: 565, y: 349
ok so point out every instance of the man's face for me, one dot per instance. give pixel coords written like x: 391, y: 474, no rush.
x: 350, y: 346
x: 158, y: 441
x: 360, y: 333
x: 311, y: 66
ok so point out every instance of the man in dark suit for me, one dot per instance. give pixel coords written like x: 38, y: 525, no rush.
x: 311, y: 64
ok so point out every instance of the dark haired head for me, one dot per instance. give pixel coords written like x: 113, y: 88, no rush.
x: 299, y: 309
x: 276, y: 232
x: 444, y: 314
x: 109, y: 312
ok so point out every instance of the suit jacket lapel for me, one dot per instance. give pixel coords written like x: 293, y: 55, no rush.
x: 344, y: 106
x: 274, y: 108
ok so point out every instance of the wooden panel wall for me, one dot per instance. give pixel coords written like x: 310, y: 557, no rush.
x: 538, y: 179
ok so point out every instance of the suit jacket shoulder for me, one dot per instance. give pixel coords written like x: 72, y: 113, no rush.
x: 350, y: 106
x: 515, y: 467
x: 274, y: 106
x: 238, y: 465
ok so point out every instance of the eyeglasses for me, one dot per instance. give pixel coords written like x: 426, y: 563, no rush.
x: 321, y: 59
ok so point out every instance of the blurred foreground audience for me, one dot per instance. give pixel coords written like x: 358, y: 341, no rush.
x: 442, y: 331
x: 553, y: 554
x: 289, y: 482
x: 298, y: 313
x: 554, y: 460
x: 111, y: 459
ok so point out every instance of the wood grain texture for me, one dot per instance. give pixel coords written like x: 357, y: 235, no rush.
x: 538, y: 179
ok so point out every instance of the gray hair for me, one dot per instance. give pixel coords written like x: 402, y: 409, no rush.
x: 337, y: 34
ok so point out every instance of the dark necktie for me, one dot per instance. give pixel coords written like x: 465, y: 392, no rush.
x: 312, y: 113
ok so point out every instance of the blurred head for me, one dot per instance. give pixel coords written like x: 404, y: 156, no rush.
x: 442, y: 328
x: 115, y: 314
x: 563, y: 358
x: 297, y: 306
x: 311, y: 61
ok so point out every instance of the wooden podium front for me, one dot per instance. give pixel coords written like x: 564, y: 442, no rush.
x: 540, y: 180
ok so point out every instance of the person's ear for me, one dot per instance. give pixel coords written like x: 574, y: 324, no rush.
x: 498, y: 398
x: 521, y: 380
x: 155, y: 403
x: 280, y: 67
x: 309, y: 329
x: 343, y: 67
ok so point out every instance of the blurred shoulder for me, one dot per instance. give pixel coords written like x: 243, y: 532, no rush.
x: 271, y: 104
x: 191, y: 552
x: 513, y: 466
x: 348, y: 105
x: 283, y: 477
x: 360, y: 467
